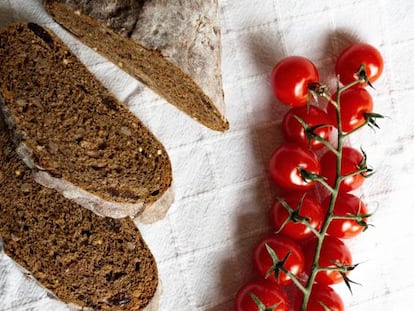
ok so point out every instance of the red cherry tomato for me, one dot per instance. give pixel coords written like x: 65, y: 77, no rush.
x: 285, y: 165
x: 351, y: 160
x: 320, y: 297
x: 295, y: 132
x: 268, y: 293
x: 290, y: 79
x: 355, y: 103
x: 281, y: 246
x: 350, y: 60
x: 333, y: 252
x: 309, y: 209
x: 346, y: 204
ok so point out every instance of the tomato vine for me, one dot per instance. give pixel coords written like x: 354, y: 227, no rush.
x: 307, y: 247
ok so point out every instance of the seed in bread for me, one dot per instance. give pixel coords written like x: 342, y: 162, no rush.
x: 84, y: 259
x: 73, y: 132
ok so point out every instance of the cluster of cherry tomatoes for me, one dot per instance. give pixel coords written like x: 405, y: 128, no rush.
x: 311, y: 155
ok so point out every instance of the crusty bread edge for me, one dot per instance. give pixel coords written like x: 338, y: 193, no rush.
x: 69, y: 190
x: 218, y: 110
x: 145, y: 213
x: 158, y: 209
x: 84, y: 198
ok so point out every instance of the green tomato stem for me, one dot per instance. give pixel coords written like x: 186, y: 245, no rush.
x: 325, y: 184
x: 328, y: 145
x: 355, y: 129
x: 315, y: 268
x: 294, y: 278
x: 360, y: 171
x: 352, y: 217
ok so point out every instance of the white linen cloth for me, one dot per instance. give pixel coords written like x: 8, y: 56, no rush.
x: 204, y: 246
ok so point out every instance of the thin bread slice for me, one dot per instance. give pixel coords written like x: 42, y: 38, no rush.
x: 83, y: 259
x: 173, y: 47
x: 73, y: 132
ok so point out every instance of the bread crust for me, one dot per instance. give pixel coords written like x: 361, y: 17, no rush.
x: 193, y: 43
x: 184, y: 34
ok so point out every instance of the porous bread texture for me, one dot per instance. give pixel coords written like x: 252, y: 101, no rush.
x: 85, y: 260
x: 167, y: 45
x: 73, y: 132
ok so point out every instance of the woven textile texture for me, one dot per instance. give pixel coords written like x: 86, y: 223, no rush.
x: 203, y: 247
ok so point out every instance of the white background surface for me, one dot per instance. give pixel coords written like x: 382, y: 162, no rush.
x: 204, y: 246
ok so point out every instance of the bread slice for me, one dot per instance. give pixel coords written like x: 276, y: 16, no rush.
x: 72, y: 131
x: 145, y: 38
x: 84, y: 259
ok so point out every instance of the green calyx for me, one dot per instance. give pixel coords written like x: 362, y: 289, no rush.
x: 371, y: 119
x: 260, y: 305
x: 362, y: 75
x: 277, y: 264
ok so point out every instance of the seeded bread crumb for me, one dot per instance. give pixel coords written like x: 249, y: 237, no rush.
x: 85, y: 260
x: 72, y: 131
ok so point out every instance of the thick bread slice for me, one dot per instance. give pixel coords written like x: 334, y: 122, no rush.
x: 73, y: 132
x: 145, y: 38
x: 84, y: 259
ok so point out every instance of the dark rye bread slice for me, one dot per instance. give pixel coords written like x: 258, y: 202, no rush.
x: 73, y: 132
x: 84, y: 259
x: 173, y: 47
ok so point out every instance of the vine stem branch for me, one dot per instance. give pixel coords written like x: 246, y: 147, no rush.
x: 315, y: 268
x: 294, y: 278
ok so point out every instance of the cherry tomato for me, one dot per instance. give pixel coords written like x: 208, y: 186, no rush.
x: 268, y: 293
x: 355, y: 103
x: 281, y: 246
x: 346, y: 204
x: 333, y: 252
x: 309, y: 209
x: 290, y: 79
x: 295, y: 132
x: 351, y: 160
x: 350, y: 60
x: 320, y: 297
x: 285, y: 165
